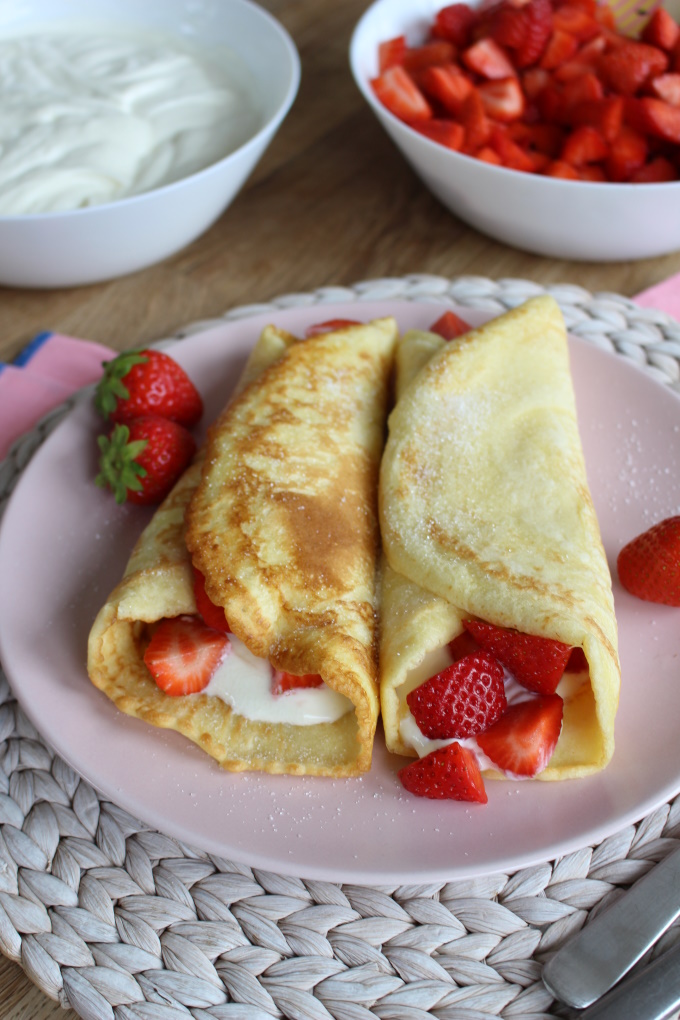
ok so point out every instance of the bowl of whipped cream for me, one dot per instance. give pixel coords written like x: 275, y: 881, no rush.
x: 127, y: 128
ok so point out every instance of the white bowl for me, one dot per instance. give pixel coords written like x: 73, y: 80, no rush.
x: 65, y: 249
x: 559, y: 218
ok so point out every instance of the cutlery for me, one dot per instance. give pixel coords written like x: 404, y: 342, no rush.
x: 593, y: 961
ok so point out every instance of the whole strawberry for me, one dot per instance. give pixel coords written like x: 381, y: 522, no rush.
x: 649, y: 566
x: 141, y: 461
x: 147, y: 382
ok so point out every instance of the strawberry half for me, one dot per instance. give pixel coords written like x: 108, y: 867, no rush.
x: 147, y: 382
x: 460, y: 701
x: 329, y: 326
x: 649, y: 566
x: 535, y: 662
x: 183, y: 655
x: 524, y: 738
x: 283, y: 682
x: 449, y: 773
x: 212, y: 615
x: 141, y: 461
x: 449, y: 326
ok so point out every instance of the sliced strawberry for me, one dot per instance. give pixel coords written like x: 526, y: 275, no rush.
x: 565, y: 171
x: 449, y: 773
x: 534, y: 80
x: 535, y: 662
x: 391, y: 52
x: 476, y: 123
x: 654, y: 117
x: 183, y: 654
x: 584, y: 145
x: 430, y: 54
x: 577, y: 662
x: 523, y: 740
x: 512, y: 155
x: 461, y: 700
x: 560, y: 47
x: 212, y: 615
x: 455, y: 23
x: 444, y: 132
x: 449, y: 326
x: 329, y: 326
x: 283, y: 682
x: 396, y: 89
x: 626, y: 69
x: 539, y: 15
x: 462, y: 645
x: 666, y: 87
x: 627, y: 154
x: 649, y: 565
x: 448, y: 84
x: 604, y: 114
x: 574, y: 19
x: 661, y: 30
x: 658, y: 171
x: 488, y: 155
x: 487, y: 59
x: 503, y: 99
x: 592, y: 172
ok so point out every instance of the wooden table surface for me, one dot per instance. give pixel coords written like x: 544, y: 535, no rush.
x: 332, y: 202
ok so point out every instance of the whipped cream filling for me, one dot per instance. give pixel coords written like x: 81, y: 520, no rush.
x: 244, y: 681
x: 88, y: 118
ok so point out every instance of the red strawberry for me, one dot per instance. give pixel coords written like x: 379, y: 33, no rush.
x: 449, y: 326
x: 391, y: 52
x: 503, y: 99
x: 535, y: 662
x: 449, y: 773
x: 649, y: 566
x: 183, y: 654
x: 396, y: 89
x: 461, y: 700
x: 462, y: 645
x: 539, y: 21
x: 667, y: 87
x: 283, y: 682
x: 486, y: 58
x: 329, y: 326
x: 430, y: 54
x: 455, y: 23
x: 212, y: 615
x: 585, y: 144
x: 445, y: 132
x: 147, y: 382
x: 523, y: 740
x: 661, y: 30
x: 141, y: 460
x: 654, y: 117
x: 629, y: 66
x: 657, y: 171
x: 449, y: 85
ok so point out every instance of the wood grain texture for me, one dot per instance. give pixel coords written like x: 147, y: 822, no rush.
x: 332, y: 202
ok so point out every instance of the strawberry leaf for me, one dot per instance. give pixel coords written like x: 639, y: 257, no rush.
x: 119, y: 470
x: 110, y: 387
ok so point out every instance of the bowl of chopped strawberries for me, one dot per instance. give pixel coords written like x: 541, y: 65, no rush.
x: 539, y: 122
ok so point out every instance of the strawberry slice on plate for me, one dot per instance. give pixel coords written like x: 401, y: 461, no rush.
x: 449, y: 326
x: 649, y: 565
x: 183, y: 654
x: 449, y: 773
x: 461, y: 700
x: 522, y: 741
x: 535, y: 662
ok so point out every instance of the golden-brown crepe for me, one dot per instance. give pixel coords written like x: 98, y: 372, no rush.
x: 280, y: 516
x: 485, y: 512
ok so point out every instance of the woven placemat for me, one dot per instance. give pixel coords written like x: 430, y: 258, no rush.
x: 116, y: 920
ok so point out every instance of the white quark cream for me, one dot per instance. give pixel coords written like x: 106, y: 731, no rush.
x: 244, y: 682
x: 87, y: 119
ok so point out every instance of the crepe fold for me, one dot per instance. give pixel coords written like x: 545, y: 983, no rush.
x: 485, y: 512
x: 279, y: 513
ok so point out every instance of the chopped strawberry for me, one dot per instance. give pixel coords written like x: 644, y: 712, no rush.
x: 577, y: 662
x: 627, y: 68
x: 627, y: 154
x: 445, y: 132
x: 586, y: 88
x: 661, y: 30
x: 391, y: 52
x: 658, y: 171
x: 534, y: 80
x: 523, y: 740
x: 462, y: 645
x: 574, y: 19
x: 141, y: 460
x: 212, y: 615
x: 449, y: 773
x: 584, y: 145
x: 396, y: 89
x: 604, y: 114
x: 560, y: 47
x: 461, y: 700
x: 649, y: 565
x: 476, y: 123
x: 283, y: 682
x: 487, y: 59
x: 654, y: 117
x: 431, y: 54
x: 503, y: 98
x: 183, y: 654
x: 667, y: 87
x: 449, y: 326
x: 448, y: 84
x: 592, y: 172
x: 488, y: 155
x: 147, y: 382
x: 455, y: 23
x: 535, y: 662
x: 512, y: 155
x: 565, y: 171
x: 329, y: 326
x: 539, y: 15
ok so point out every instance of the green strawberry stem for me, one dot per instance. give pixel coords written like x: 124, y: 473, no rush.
x: 110, y: 387
x: 119, y: 470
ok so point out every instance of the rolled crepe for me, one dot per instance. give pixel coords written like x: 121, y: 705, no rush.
x: 279, y: 513
x: 485, y: 512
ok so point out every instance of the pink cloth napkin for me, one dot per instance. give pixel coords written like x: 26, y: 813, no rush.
x: 45, y: 374
x: 665, y: 296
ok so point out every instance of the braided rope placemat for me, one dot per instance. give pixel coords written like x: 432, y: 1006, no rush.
x: 116, y: 920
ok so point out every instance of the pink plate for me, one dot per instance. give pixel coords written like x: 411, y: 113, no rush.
x: 64, y: 545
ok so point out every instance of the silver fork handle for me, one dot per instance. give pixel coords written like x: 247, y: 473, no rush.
x: 653, y: 994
